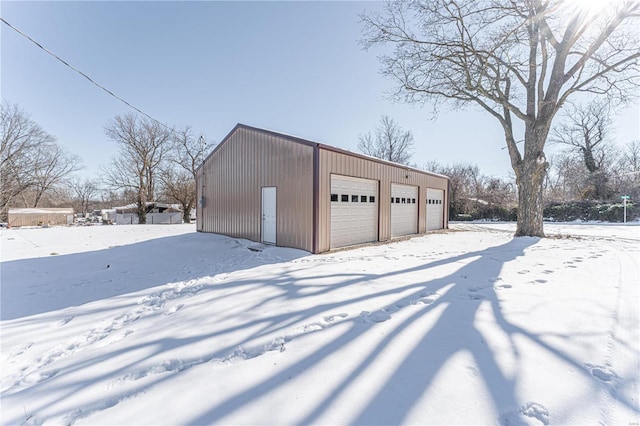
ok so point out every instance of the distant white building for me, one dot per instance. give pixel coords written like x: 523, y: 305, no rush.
x: 157, y: 213
x: 40, y: 216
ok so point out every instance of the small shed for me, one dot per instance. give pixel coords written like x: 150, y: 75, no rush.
x: 279, y: 189
x: 40, y: 216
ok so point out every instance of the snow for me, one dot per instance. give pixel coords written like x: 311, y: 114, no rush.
x: 149, y: 324
x: 41, y: 211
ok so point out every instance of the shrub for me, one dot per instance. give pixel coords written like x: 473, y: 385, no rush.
x: 495, y: 212
x: 589, y: 211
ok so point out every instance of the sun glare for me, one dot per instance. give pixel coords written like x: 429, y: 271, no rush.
x: 594, y: 7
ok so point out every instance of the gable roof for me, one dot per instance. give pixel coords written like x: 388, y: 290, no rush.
x: 319, y: 145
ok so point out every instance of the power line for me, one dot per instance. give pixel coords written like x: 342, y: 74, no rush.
x: 83, y: 74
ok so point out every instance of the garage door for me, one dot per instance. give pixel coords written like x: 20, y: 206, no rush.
x: 354, y: 211
x: 435, y: 209
x: 404, y: 210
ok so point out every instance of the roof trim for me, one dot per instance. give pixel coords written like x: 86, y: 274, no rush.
x: 309, y: 143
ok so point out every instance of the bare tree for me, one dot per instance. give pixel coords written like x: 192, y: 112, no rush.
x: 464, y: 186
x: 53, y: 165
x: 586, y: 129
x: 179, y: 174
x: 32, y: 163
x: 389, y: 142
x: 179, y: 187
x: 83, y: 192
x: 631, y: 157
x: 474, y: 194
x: 565, y: 178
x: 21, y: 138
x: 627, y: 171
x: 144, y: 145
x: 516, y: 60
x: 498, y: 192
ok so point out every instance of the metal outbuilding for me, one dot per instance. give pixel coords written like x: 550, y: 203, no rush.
x: 40, y: 216
x: 279, y: 189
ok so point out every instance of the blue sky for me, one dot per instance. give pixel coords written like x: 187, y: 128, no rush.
x: 292, y: 67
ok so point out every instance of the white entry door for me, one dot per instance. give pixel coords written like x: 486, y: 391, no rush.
x: 269, y: 215
x: 435, y: 209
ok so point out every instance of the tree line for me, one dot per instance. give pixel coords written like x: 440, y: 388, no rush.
x: 153, y: 163
x: 588, y: 168
x: 157, y: 163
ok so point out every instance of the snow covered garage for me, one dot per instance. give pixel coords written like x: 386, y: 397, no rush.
x: 278, y: 189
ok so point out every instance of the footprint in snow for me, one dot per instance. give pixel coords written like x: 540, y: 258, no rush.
x: 503, y: 286
x: 40, y: 376
x: 64, y: 321
x: 531, y: 413
x: 473, y: 293
x: 314, y: 326
x: 524, y: 271
x: 377, y: 316
x: 539, y: 281
x: 423, y: 301
x: 21, y: 349
x: 472, y: 371
x: 601, y: 373
x: 331, y: 318
x: 475, y: 297
x: 175, y: 309
x: 402, y: 304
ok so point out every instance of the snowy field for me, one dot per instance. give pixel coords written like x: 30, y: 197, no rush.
x: 152, y: 325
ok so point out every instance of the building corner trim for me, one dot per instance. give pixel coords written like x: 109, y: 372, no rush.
x: 316, y: 197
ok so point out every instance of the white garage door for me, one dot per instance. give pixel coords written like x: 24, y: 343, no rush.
x: 354, y: 211
x: 404, y: 210
x: 435, y: 209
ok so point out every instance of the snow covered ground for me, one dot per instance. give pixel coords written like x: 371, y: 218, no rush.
x: 162, y: 325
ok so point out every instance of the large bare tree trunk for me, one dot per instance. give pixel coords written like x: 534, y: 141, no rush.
x: 529, y: 179
x: 142, y: 208
x: 531, y: 171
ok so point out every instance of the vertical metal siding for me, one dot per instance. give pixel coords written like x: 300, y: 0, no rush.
x: 332, y: 162
x: 234, y: 175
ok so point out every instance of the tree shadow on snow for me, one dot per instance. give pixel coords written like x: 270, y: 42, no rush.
x: 459, y: 298
x: 40, y: 285
x: 463, y: 292
x: 454, y: 332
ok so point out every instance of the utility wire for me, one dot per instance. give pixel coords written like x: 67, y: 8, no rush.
x: 83, y: 74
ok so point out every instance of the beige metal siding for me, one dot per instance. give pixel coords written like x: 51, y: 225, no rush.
x: 333, y: 162
x: 37, y: 217
x: 232, y: 178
